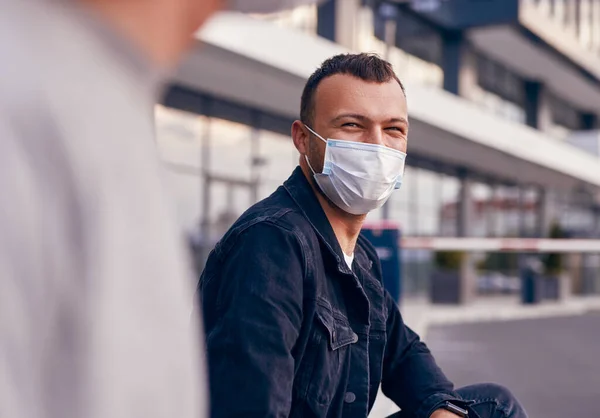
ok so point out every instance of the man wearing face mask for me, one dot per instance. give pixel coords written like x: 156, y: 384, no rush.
x: 297, y: 321
x: 95, y: 292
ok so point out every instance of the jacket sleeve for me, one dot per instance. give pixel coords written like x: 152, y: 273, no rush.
x: 253, y: 312
x: 411, y: 377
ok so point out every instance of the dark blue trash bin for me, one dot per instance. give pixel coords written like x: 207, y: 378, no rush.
x: 385, y: 237
x: 531, y: 282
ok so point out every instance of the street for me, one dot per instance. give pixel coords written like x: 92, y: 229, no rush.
x: 552, y: 365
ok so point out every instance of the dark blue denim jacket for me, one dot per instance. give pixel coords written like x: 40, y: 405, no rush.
x: 292, y: 331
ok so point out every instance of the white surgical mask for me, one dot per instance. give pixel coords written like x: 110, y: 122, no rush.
x: 267, y: 6
x: 358, y: 177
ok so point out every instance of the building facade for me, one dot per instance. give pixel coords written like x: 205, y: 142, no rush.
x: 503, y: 98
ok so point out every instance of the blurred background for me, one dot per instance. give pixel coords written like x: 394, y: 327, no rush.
x: 504, y: 102
x: 503, y: 97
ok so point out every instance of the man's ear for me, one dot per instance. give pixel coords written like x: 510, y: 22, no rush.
x: 300, y: 137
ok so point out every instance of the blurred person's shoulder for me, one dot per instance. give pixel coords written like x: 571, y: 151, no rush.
x: 62, y: 61
x: 75, y: 97
x: 76, y: 149
x: 36, y: 182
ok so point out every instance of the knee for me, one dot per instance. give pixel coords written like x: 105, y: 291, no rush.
x: 496, y: 391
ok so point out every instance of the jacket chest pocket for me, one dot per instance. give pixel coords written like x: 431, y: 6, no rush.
x: 327, y: 357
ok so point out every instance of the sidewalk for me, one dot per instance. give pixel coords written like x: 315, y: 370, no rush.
x: 420, y: 315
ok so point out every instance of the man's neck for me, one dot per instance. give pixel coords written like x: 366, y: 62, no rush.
x: 345, y: 225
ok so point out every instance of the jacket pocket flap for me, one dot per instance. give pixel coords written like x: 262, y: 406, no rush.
x: 339, y: 331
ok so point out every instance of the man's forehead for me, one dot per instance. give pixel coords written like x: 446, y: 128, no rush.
x: 349, y: 92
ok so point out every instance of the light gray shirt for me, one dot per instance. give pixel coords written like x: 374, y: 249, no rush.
x: 96, y: 296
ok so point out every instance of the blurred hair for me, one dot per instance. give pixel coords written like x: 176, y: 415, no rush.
x: 367, y: 67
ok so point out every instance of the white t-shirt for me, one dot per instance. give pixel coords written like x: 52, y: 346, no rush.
x: 96, y: 296
x: 349, y: 259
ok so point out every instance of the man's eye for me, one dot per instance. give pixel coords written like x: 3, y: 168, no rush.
x: 350, y: 125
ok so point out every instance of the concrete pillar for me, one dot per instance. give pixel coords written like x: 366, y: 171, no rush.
x: 589, y: 121
x: 337, y: 20
x: 590, y: 283
x: 451, y: 60
x: 459, y: 65
x: 537, y: 107
x: 414, y: 201
x: 468, y: 77
x: 544, y: 112
x: 468, y: 278
x: 346, y: 22
x: 532, y: 99
x: 495, y: 211
x: 577, y: 16
x: 326, y: 14
x: 205, y: 168
x: 570, y: 15
x: 522, y: 211
x: 465, y: 207
x: 254, y: 165
x: 389, y: 38
x: 542, y: 212
x: 547, y: 211
x: 390, y: 16
x: 490, y: 213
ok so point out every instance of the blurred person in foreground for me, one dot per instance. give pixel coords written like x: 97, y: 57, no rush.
x: 95, y: 302
x: 297, y: 321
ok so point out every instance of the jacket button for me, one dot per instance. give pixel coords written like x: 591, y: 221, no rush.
x: 349, y: 397
x: 354, y: 338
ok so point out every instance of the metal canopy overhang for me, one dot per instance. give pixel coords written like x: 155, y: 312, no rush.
x: 260, y: 66
x: 524, y: 38
x: 528, y: 55
x: 465, y: 14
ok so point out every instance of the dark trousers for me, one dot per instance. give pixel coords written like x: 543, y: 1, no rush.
x: 487, y: 401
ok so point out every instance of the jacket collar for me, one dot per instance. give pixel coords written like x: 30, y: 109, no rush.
x: 304, y: 196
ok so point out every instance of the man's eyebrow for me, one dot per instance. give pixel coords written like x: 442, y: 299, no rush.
x: 360, y: 117
x: 396, y: 120
x: 350, y: 116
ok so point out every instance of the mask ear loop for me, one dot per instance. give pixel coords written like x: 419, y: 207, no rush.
x: 309, y: 166
x: 306, y: 156
x: 315, y: 134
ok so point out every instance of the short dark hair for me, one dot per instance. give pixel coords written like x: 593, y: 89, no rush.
x: 368, y: 67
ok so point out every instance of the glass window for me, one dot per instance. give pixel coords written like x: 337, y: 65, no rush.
x: 278, y: 158
x: 178, y: 137
x: 421, y: 205
x: 498, y: 79
x: 418, y: 38
x: 230, y: 151
x: 234, y: 154
x: 564, y: 114
x: 227, y: 202
x: 398, y: 203
x: 409, y: 68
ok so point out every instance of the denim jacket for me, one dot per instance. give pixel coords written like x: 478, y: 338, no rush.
x: 292, y: 331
